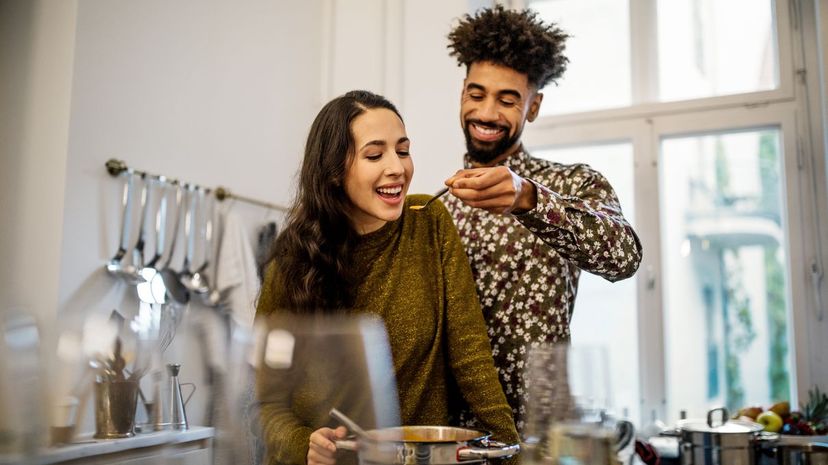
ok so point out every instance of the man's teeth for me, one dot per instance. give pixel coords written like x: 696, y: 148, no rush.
x: 487, y: 131
x: 390, y: 190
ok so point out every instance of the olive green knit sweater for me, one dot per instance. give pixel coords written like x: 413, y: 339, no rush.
x: 416, y: 278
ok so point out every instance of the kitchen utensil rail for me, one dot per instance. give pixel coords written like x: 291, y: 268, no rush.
x: 116, y: 167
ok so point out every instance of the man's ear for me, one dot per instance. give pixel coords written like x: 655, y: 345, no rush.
x: 534, y: 107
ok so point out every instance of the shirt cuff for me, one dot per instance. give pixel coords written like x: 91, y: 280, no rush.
x: 549, y: 209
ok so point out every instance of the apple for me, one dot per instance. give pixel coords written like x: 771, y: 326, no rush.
x: 783, y: 409
x: 770, y: 420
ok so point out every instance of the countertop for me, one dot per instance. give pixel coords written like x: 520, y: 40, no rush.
x: 86, y: 446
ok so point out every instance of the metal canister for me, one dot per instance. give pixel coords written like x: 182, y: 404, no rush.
x: 115, y: 404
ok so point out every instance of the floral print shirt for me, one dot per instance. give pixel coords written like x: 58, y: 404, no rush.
x: 526, y: 266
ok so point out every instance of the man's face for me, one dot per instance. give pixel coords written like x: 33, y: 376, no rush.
x: 495, y: 104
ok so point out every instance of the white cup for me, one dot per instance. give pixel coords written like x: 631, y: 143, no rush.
x: 65, y: 411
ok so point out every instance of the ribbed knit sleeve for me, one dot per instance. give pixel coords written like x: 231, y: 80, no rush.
x: 286, y: 435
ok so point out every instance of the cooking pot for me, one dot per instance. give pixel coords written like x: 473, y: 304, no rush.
x: 726, y: 442
x: 792, y: 451
x: 426, y: 445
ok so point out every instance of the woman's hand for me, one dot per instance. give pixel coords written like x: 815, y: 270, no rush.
x: 322, y: 449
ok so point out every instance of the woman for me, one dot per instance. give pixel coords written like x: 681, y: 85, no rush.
x: 352, y: 245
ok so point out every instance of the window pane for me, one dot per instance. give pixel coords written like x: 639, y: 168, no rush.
x: 713, y: 47
x: 605, y: 313
x: 598, y: 43
x: 723, y: 246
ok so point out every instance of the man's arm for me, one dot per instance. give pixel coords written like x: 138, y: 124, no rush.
x: 586, y: 225
x: 582, y: 220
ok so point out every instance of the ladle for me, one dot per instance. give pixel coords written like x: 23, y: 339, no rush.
x: 350, y: 424
x: 214, y: 297
x: 185, y: 276
x: 176, y: 292
x: 138, y: 250
x: 152, y: 290
x: 115, y: 265
x: 199, y: 283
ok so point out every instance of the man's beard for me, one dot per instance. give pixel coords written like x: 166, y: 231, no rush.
x: 490, y: 150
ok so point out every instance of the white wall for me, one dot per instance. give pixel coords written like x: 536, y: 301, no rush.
x: 215, y: 92
x: 36, y: 53
x: 209, y: 91
x: 398, y: 48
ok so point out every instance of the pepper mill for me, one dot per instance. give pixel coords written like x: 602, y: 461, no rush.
x: 178, y: 416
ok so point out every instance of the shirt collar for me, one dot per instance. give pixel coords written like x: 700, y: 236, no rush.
x: 520, y: 162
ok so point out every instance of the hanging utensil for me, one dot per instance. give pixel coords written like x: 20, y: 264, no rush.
x: 176, y: 293
x: 185, y: 276
x: 152, y: 290
x: 214, y: 297
x: 115, y: 265
x: 199, y: 283
x: 138, y: 250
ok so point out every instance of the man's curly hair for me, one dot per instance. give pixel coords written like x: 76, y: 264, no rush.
x: 516, y: 39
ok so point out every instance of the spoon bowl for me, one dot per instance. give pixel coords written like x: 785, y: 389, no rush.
x: 436, y: 196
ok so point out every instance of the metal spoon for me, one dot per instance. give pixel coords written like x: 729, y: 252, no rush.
x: 115, y: 265
x: 439, y: 194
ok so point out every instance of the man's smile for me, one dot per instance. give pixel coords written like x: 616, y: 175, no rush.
x: 487, y: 132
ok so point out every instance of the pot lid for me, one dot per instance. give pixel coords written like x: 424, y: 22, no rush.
x: 732, y: 426
x: 722, y: 425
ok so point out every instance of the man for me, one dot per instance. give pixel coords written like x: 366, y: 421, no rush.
x: 529, y: 225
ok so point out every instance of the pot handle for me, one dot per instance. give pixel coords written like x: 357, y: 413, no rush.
x: 346, y: 444
x: 492, y: 449
x: 725, y: 416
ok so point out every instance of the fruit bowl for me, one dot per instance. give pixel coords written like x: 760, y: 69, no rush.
x: 811, y: 420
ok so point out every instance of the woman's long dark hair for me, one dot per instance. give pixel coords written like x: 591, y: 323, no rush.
x: 313, y: 251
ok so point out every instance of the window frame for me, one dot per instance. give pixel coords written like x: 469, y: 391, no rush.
x: 644, y: 125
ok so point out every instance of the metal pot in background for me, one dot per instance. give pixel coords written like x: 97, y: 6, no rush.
x: 426, y: 445
x: 801, y: 452
x: 726, y: 442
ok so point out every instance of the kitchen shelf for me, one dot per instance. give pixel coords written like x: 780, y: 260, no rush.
x: 191, y: 447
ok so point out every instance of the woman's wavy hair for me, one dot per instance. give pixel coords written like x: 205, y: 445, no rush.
x: 313, y: 251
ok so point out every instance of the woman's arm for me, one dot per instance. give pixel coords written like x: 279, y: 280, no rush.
x: 285, y: 435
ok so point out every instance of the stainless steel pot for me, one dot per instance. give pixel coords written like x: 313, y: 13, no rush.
x: 795, y: 451
x: 726, y: 442
x: 426, y: 445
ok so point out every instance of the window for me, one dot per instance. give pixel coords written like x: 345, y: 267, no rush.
x: 704, y: 48
x: 710, y: 47
x: 599, y: 300
x: 691, y: 109
x: 598, y: 42
x: 724, y: 247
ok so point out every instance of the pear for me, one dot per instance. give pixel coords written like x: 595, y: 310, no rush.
x: 750, y: 412
x: 783, y: 409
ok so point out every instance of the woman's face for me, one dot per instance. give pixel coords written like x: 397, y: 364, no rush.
x: 379, y: 171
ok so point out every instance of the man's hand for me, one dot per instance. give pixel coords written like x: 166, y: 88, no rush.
x: 322, y: 449
x: 496, y: 189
